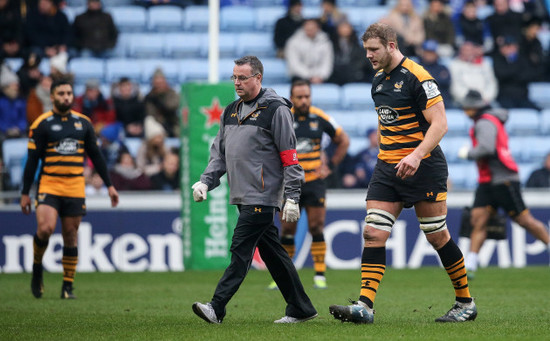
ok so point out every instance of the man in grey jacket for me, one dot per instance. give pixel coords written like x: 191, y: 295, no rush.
x: 499, y: 185
x: 256, y: 147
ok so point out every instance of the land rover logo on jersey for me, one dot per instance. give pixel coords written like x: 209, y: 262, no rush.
x: 56, y: 127
x: 431, y: 89
x: 304, y: 145
x: 67, y: 146
x: 387, y: 114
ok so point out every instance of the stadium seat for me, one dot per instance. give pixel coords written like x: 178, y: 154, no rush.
x: 184, y: 45
x: 535, y: 148
x: 463, y: 175
x: 129, y: 18
x: 525, y: 170
x: 266, y: 17
x: 169, y: 67
x: 458, y: 123
x: 44, y: 66
x: 225, y: 70
x: 121, y: 67
x: 312, y: 3
x: 544, y: 38
x: 326, y: 96
x: 146, y: 45
x: 484, y: 11
x: 193, y: 70
x: 133, y: 144
x: 14, y: 63
x: 172, y: 142
x: 522, y: 122
x: 237, y: 19
x: 374, y: 14
x: 268, y: 3
x: 282, y: 89
x: 346, y: 120
x: 256, y: 44
x: 14, y: 156
x: 356, y: 17
x: 87, y: 68
x: 451, y: 145
x: 311, y: 11
x: 122, y: 45
x: 195, y: 18
x: 165, y: 18
x: 357, y: 144
x: 539, y: 93
x: 516, y: 145
x: 545, y: 122
x: 357, y: 96
x: 227, y: 44
x: 76, y: 3
x: 275, y: 71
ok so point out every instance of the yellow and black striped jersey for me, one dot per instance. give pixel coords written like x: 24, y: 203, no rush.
x: 400, y: 97
x: 61, y: 141
x: 309, y: 131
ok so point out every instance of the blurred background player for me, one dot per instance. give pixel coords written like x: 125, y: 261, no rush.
x: 310, y: 123
x: 59, y: 139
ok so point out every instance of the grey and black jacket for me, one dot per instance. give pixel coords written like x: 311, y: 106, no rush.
x: 253, y: 146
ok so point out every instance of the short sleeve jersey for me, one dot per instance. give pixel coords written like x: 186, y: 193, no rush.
x: 61, y: 142
x: 309, y: 131
x: 400, y: 97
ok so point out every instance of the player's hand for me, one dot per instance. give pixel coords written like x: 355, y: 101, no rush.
x: 323, y: 171
x: 113, y: 194
x: 408, y: 166
x: 463, y: 152
x: 291, y: 211
x: 25, y: 204
x: 199, y: 191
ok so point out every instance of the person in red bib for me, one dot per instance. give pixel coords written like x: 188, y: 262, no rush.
x: 499, y: 185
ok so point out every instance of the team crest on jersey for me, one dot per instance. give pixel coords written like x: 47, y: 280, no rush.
x: 67, y: 146
x: 378, y: 88
x: 78, y: 125
x: 387, y: 114
x: 398, y: 86
x: 314, y: 125
x: 431, y: 89
x: 56, y: 127
x: 254, y: 116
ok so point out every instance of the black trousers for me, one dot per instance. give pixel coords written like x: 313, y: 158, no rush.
x: 255, y: 227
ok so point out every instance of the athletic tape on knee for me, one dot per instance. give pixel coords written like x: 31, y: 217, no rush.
x: 380, y: 219
x: 433, y: 224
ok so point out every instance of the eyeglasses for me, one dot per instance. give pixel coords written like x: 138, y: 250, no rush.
x: 242, y: 78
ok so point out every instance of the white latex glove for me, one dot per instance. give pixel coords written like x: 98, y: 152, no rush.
x: 463, y: 152
x: 291, y: 211
x: 199, y: 191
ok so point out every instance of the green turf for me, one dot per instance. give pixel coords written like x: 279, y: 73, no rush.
x: 512, y: 304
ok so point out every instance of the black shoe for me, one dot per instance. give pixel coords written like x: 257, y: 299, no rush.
x: 37, y: 283
x: 460, y: 312
x: 67, y: 292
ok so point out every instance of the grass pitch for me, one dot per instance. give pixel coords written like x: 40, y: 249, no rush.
x: 513, y: 304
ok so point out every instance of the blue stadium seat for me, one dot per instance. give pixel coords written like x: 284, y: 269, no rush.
x: 133, y: 144
x: 165, y: 18
x: 451, y: 145
x: 535, y: 148
x: 525, y: 170
x: 86, y: 68
x: 237, y: 19
x: 326, y: 96
x: 193, y: 70
x: 256, y: 44
x: 311, y: 11
x: 356, y: 17
x: 516, y: 145
x: 14, y: 156
x: 484, y: 11
x: 184, y: 45
x: 282, y: 89
x: 312, y: 3
x: 169, y: 67
x: 357, y: 96
x: 463, y: 175
x: 347, y: 120
x: 374, y: 14
x: 76, y: 3
x: 457, y: 122
x: 172, y: 142
x: 122, y: 47
x: 121, y: 67
x: 523, y: 122
x: 268, y: 3
x: 146, y: 45
x: 44, y: 66
x: 266, y: 17
x: 225, y: 70
x: 129, y: 18
x: 544, y: 37
x: 14, y: 63
x: 227, y: 43
x: 540, y: 94
x: 357, y: 144
x: 275, y: 71
x: 195, y: 18
x: 545, y: 122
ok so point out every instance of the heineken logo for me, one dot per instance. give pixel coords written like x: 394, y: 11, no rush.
x: 213, y: 112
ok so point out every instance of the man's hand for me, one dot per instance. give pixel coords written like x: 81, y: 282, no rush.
x: 25, y: 204
x: 408, y: 166
x: 113, y: 194
x: 291, y: 211
x: 199, y: 191
x: 463, y: 152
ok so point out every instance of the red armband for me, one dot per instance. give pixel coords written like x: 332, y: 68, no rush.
x: 289, y: 157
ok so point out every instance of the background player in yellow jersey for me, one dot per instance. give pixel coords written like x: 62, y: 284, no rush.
x: 310, y: 123
x: 59, y: 139
x: 411, y: 171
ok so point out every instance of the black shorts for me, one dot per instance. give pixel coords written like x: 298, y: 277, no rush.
x: 65, y: 206
x: 313, y: 193
x: 506, y: 196
x: 428, y: 183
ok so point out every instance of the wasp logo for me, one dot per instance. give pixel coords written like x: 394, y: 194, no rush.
x: 258, y: 209
x: 78, y: 125
x: 398, y: 86
x: 314, y: 125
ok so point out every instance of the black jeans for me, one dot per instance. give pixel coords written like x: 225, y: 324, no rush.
x: 255, y: 227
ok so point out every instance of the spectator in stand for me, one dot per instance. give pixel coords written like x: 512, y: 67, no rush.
x: 162, y: 103
x: 94, y: 105
x: 469, y: 71
x: 531, y: 47
x: 129, y: 107
x: 168, y: 179
x: 360, y: 172
x: 513, y: 73
x: 95, y: 32
x: 11, y: 29
x: 111, y: 145
x: 29, y: 74
x: 13, y: 108
x: 331, y: 17
x: 429, y: 59
x: 469, y: 26
x: 409, y: 26
x: 47, y: 29
x: 504, y: 23
x: 439, y: 27
x: 540, y: 178
x: 287, y: 25
x: 350, y: 64
x: 127, y: 177
x: 152, y: 151
x: 39, y: 100
x: 309, y: 53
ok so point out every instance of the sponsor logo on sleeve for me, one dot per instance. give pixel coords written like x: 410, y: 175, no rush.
x: 431, y: 89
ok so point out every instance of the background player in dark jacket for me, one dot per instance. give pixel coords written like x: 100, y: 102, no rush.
x: 59, y: 139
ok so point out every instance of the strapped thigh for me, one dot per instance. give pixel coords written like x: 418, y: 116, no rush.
x: 380, y: 219
x: 433, y: 224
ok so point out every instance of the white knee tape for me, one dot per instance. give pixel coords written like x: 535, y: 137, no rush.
x: 433, y: 224
x: 380, y: 219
